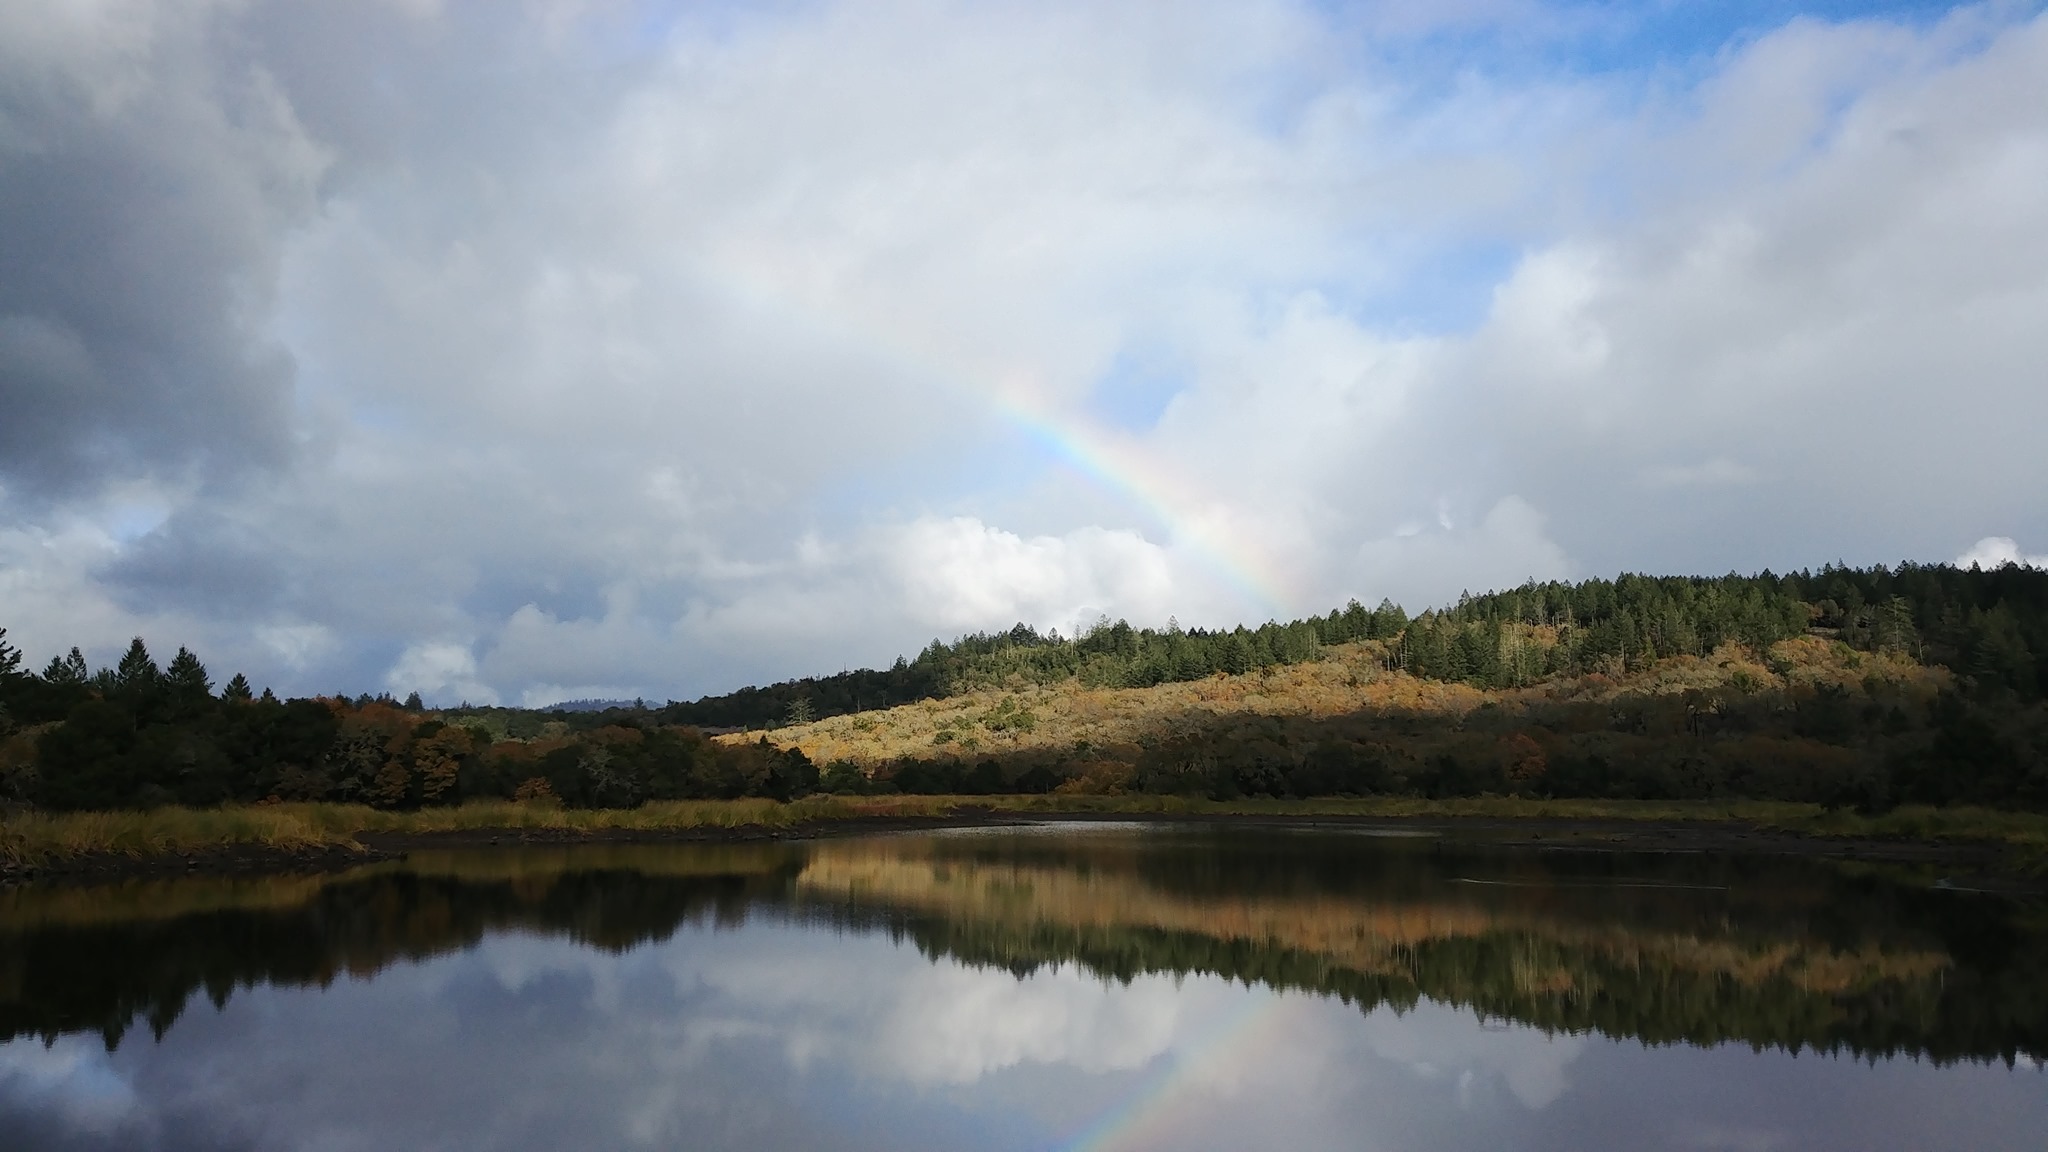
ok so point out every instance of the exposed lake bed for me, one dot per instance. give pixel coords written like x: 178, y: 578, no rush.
x: 1061, y: 985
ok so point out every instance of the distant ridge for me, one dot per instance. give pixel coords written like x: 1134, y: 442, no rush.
x: 591, y: 705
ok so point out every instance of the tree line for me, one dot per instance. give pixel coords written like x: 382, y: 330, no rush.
x: 139, y: 735
x: 1107, y: 655
x: 1991, y: 625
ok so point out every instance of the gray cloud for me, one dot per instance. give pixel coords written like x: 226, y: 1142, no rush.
x: 146, y: 177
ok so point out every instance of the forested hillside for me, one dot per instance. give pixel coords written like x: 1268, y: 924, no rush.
x: 1864, y: 686
x: 1991, y: 625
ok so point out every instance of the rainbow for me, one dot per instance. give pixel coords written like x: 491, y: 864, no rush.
x: 1252, y: 1024
x: 1117, y: 465
x: 1131, y: 472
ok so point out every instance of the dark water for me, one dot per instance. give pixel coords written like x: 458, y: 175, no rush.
x: 1099, y: 988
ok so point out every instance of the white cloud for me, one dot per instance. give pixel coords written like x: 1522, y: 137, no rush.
x: 1997, y: 551
x: 443, y: 671
x: 298, y: 645
x: 963, y: 1023
x: 1438, y: 1041
x: 72, y: 1076
x: 961, y: 574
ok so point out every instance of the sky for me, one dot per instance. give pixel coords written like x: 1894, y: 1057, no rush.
x: 528, y: 350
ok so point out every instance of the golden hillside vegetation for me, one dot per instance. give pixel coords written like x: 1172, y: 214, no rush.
x: 1361, y: 932
x: 1351, y: 681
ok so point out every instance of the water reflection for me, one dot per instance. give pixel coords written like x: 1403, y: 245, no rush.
x: 1094, y: 989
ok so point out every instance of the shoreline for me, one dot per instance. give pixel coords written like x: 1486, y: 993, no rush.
x: 1986, y: 864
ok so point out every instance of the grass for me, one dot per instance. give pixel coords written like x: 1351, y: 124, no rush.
x: 36, y: 840
x: 33, y: 839
x: 30, y: 839
x: 1349, y: 680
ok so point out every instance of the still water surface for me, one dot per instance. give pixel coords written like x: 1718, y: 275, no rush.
x: 1072, y: 988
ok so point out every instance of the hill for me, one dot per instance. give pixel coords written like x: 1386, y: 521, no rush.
x: 1990, y: 624
x: 1864, y: 687
x: 1847, y: 687
x: 1809, y: 719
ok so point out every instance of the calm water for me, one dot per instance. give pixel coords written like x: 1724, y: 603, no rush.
x: 1093, y: 988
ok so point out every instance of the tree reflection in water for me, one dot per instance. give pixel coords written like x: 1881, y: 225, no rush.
x: 1698, y: 950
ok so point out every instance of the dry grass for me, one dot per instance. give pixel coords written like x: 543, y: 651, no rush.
x: 33, y: 839
x: 1375, y: 935
x: 1069, y: 715
x: 1351, y: 679
x: 2027, y: 831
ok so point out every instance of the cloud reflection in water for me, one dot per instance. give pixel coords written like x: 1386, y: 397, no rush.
x: 781, y: 1035
x: 947, y: 992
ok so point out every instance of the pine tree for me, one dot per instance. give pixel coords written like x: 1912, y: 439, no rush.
x: 68, y: 669
x: 1388, y: 619
x: 10, y: 657
x: 185, y: 680
x: 238, y: 690
x: 137, y: 673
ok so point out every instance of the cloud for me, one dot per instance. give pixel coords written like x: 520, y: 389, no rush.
x: 1434, y: 1041
x: 1997, y: 551
x: 147, y: 178
x: 72, y: 1078
x: 1506, y: 548
x: 1714, y: 473
x: 944, y: 1023
x: 445, y: 671
x: 960, y: 574
x: 660, y: 356
x: 964, y: 1023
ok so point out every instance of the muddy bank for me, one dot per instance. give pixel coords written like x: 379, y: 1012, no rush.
x: 1966, y: 864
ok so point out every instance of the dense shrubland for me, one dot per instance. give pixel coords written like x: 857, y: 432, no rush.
x: 1864, y: 687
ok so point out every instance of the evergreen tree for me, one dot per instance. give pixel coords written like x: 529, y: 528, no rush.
x: 238, y: 690
x: 1388, y: 620
x: 136, y: 683
x: 68, y: 670
x: 185, y: 681
x: 137, y: 674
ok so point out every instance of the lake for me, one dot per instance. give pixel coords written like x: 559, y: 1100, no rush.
x: 1056, y: 987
